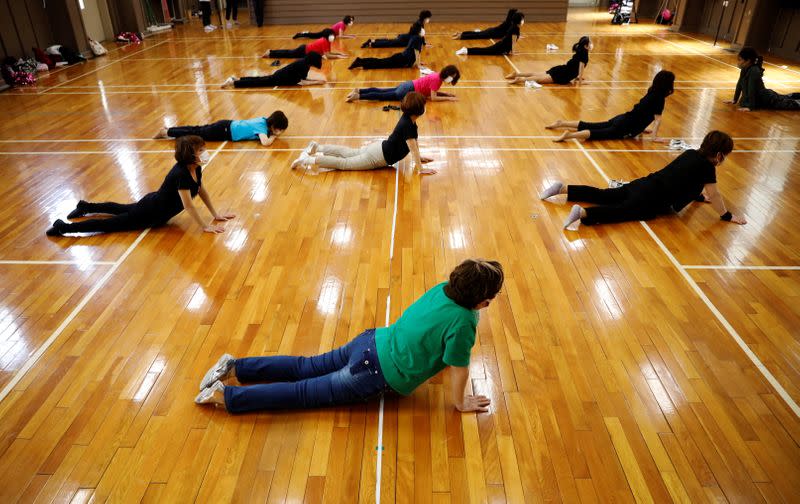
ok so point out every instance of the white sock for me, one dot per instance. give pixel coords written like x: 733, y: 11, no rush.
x: 574, y: 215
x: 551, y: 191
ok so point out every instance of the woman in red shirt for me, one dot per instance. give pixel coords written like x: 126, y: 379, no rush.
x: 322, y: 46
x: 338, y: 29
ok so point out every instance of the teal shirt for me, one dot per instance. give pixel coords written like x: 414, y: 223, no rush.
x: 431, y: 334
x: 248, y: 129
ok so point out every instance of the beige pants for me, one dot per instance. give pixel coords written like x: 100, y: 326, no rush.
x: 337, y: 157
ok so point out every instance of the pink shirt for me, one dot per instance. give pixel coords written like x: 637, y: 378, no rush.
x: 427, y: 84
x: 321, y: 46
x: 339, y: 28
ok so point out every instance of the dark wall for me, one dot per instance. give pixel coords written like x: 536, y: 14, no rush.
x: 23, y: 24
x: 377, y: 11
x: 785, y: 35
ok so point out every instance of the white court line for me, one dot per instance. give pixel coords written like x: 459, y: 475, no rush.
x: 379, y: 446
x: 738, y: 267
x: 696, y: 52
x: 719, y: 316
x: 75, y: 311
x: 720, y: 48
x: 76, y: 263
x: 101, y: 67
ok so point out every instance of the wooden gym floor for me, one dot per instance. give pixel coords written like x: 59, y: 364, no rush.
x: 615, y: 356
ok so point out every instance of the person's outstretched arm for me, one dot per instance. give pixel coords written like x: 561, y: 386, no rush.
x: 188, y: 205
x: 462, y: 401
x: 417, y: 158
x: 207, y: 200
x: 437, y: 96
x: 265, y: 140
x: 714, y: 197
x: 579, y: 78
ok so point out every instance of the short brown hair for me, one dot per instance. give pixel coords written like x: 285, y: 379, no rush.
x: 186, y: 149
x: 413, y: 103
x: 714, y: 143
x: 474, y: 281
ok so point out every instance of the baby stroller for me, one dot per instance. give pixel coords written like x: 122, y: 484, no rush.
x: 622, y: 15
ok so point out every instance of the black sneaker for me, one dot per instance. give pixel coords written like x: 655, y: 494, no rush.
x: 366, y: 44
x: 275, y: 63
x: 78, y: 212
x: 355, y: 64
x: 56, y: 229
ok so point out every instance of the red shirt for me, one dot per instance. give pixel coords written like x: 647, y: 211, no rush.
x: 321, y: 46
x: 339, y: 28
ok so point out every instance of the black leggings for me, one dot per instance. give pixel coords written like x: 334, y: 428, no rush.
x: 607, y: 130
x: 258, y: 7
x: 205, y: 9
x: 619, y: 204
x: 483, y: 34
x: 769, y: 99
x: 399, y: 41
x: 311, y: 35
x: 297, y: 52
x: 261, y: 81
x: 398, y: 60
x: 215, y: 132
x: 231, y: 7
x: 126, y: 217
x: 497, y: 49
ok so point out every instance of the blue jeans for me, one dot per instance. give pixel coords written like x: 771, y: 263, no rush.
x: 348, y: 374
x: 386, y: 94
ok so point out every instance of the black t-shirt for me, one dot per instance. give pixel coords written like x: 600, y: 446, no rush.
x: 292, y: 73
x: 415, y: 43
x: 680, y: 182
x: 166, y: 202
x: 643, y: 113
x: 395, y: 147
x: 580, y: 56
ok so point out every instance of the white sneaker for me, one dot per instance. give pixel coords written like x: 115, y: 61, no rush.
x: 462, y: 51
x: 552, y: 47
x: 218, y: 371
x: 229, y: 25
x: 532, y: 84
x: 303, y: 161
x: 311, y: 148
x: 214, y: 394
x: 209, y: 28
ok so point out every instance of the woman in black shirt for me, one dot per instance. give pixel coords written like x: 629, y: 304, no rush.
x: 630, y: 124
x: 183, y: 182
x: 501, y: 47
x: 402, y: 39
x: 407, y: 59
x: 380, y: 154
x: 561, y: 74
x: 690, y: 177
x: 751, y: 93
x: 294, y: 74
x: 489, y: 33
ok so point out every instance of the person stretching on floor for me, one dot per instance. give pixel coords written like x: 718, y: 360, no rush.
x: 263, y: 129
x: 182, y: 183
x: 692, y: 176
x: 427, y: 85
x: 630, y: 124
x: 436, y: 332
x: 380, y: 154
x: 561, y: 74
x: 407, y: 59
x: 322, y: 46
x: 402, y: 39
x: 338, y: 30
x: 296, y: 73
x: 501, y: 47
x: 751, y: 93
x: 498, y: 31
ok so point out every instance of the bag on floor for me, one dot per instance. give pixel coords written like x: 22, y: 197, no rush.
x: 43, y: 57
x: 71, y: 55
x: 97, y: 47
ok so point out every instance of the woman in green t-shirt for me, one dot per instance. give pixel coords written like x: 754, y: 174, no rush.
x: 435, y: 332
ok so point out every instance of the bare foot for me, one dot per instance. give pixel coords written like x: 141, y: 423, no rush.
x: 353, y: 96
x: 228, y: 83
x: 561, y: 138
x: 512, y: 75
x: 555, y: 125
x: 162, y: 133
x: 456, y: 36
x: 265, y: 55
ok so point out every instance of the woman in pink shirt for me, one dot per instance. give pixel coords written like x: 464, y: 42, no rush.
x: 428, y: 86
x: 338, y: 28
x: 322, y: 46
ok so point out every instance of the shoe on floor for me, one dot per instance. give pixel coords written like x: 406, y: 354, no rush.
x: 218, y: 371
x: 78, y: 212
x: 461, y: 52
x: 56, y: 229
x: 311, y: 148
x: 213, y: 394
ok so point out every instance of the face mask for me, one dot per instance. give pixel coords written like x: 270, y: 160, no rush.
x: 350, y: 23
x: 204, y: 157
x: 422, y: 32
x: 331, y: 38
x: 522, y: 22
x: 449, y: 79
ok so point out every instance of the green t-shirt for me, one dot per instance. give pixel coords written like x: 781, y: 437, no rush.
x: 431, y: 334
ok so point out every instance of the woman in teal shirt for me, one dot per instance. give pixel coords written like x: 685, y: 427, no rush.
x: 263, y: 129
x: 435, y: 332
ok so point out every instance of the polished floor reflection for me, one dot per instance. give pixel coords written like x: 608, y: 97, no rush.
x: 610, y: 355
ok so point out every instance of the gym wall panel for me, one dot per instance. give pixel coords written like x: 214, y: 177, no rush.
x: 377, y: 11
x: 785, y: 39
x: 28, y: 23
